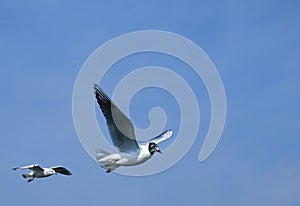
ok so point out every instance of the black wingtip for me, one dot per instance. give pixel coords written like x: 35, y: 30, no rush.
x: 61, y: 170
x: 66, y: 172
x: 15, y: 168
x: 96, y: 87
x: 97, y: 90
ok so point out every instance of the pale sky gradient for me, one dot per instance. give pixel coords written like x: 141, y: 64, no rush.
x: 255, y: 46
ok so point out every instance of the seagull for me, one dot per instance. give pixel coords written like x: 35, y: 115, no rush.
x: 39, y: 172
x: 121, y: 131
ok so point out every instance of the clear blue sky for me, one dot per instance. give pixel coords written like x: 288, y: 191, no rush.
x: 255, y: 46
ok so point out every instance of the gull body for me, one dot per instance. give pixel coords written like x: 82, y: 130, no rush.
x: 39, y: 172
x: 121, y: 131
x: 125, y: 159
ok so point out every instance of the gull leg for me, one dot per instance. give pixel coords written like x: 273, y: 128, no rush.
x: 30, y: 180
x: 110, y: 169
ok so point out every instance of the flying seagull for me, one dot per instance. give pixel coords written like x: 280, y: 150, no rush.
x: 121, y: 131
x: 39, y: 172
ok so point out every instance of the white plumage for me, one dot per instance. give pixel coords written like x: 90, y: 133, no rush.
x: 39, y: 172
x: 122, y: 134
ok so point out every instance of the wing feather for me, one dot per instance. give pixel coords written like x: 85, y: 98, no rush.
x: 163, y: 136
x: 34, y: 167
x: 119, y: 125
x: 61, y: 170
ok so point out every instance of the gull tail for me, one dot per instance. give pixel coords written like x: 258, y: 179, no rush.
x: 106, y: 160
x: 100, y: 153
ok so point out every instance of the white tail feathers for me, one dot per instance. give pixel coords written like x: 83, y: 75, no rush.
x: 101, y: 153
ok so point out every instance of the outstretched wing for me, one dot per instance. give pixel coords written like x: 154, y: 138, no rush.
x: 34, y: 167
x: 119, y: 125
x: 61, y: 170
x: 163, y: 136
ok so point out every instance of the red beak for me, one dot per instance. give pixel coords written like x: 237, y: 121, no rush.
x: 158, y: 150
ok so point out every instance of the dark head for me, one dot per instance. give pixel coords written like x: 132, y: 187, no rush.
x: 153, y: 148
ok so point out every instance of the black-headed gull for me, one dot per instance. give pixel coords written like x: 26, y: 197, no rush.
x: 39, y: 172
x: 121, y: 130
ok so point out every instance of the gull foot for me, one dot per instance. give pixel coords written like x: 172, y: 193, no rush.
x: 30, y: 180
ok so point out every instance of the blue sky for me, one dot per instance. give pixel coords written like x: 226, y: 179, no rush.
x: 255, y: 47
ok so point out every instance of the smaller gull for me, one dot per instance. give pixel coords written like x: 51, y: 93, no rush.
x: 39, y: 172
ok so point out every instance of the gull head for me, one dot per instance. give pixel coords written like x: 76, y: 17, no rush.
x: 52, y: 171
x: 153, y: 148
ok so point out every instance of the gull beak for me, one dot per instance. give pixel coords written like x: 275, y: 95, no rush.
x: 158, y: 150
